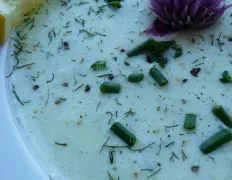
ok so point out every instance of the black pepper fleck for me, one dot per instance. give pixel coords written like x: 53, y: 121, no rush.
x: 184, y: 80
x: 110, y: 76
x: 35, y: 87
x: 122, y: 50
x: 195, y: 71
x: 87, y: 88
x: 195, y: 169
x: 65, y: 84
x: 65, y: 45
x: 126, y: 63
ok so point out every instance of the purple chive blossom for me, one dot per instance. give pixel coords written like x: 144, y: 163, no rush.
x: 174, y: 15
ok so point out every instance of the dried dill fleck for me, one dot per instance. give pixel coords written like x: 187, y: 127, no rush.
x: 109, y: 76
x: 111, y: 157
x: 61, y: 144
x: 129, y: 113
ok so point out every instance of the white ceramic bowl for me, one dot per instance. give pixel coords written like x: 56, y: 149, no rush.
x: 16, y: 162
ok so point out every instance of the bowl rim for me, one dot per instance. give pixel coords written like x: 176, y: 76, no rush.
x: 16, y: 162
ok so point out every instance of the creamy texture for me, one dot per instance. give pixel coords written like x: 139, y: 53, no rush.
x: 81, y: 121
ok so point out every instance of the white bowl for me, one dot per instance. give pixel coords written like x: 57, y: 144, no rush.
x: 16, y: 162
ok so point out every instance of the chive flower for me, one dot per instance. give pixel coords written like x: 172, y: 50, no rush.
x: 174, y: 15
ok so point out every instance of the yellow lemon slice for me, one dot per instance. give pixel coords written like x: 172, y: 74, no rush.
x: 12, y: 12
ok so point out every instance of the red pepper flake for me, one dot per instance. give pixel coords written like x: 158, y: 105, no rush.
x: 59, y: 101
x: 195, y: 71
x: 136, y: 174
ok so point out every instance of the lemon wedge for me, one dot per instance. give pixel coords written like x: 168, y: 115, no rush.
x: 12, y: 12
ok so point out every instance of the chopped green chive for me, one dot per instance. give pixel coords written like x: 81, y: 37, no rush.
x: 220, y: 112
x: 162, y: 61
x: 158, y: 76
x: 123, y: 133
x: 190, y: 121
x: 99, y: 65
x: 216, y: 141
x: 146, y: 46
x: 135, y: 77
x: 109, y: 1
x: 152, y: 57
x: 178, y: 51
x: 110, y: 87
x: 115, y: 5
x: 150, y: 46
x: 226, y: 77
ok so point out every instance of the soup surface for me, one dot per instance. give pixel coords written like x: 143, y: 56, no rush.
x: 61, y: 109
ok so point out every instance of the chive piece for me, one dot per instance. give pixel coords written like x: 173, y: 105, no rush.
x: 110, y: 87
x: 226, y: 77
x: 162, y: 61
x: 220, y: 112
x: 150, y: 46
x: 146, y: 46
x: 190, y: 121
x: 158, y: 76
x: 99, y: 65
x: 115, y: 5
x: 178, y: 51
x: 109, y: 1
x: 152, y: 57
x: 216, y: 141
x: 135, y: 77
x: 123, y: 133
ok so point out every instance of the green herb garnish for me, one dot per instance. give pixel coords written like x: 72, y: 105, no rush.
x: 115, y: 5
x: 135, y: 77
x: 123, y: 133
x: 220, y: 113
x: 178, y: 51
x: 190, y: 121
x: 226, y: 77
x: 110, y: 87
x: 158, y: 76
x: 216, y: 141
x: 99, y: 65
x: 151, y: 46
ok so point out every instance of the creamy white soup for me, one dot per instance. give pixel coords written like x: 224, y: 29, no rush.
x: 67, y: 119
